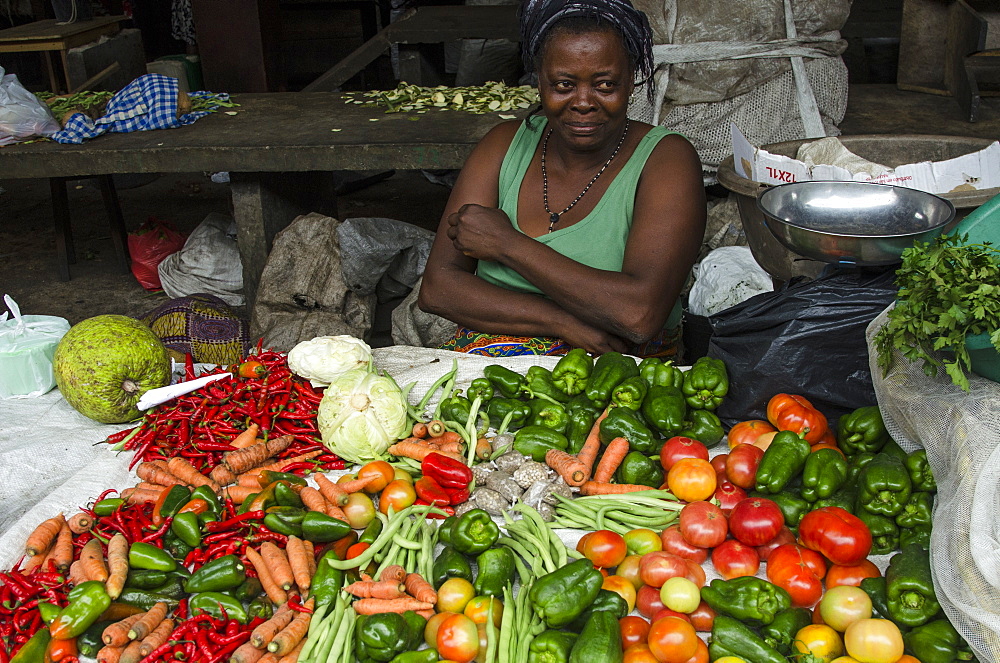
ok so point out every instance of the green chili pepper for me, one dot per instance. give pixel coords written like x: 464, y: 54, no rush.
x: 885, y: 485
x: 327, y: 580
x: 496, y: 571
x: 90, y: 641
x: 371, y: 532
x: 207, y: 494
x: 862, y: 430
x: 705, y: 384
x: 704, y: 426
x: 217, y: 576
x: 823, y: 474
x: 474, y: 532
x: 610, y: 370
x: 108, y: 506
x: 730, y: 637
x: 782, y: 461
x: 321, y: 528
x: 910, y: 587
x: 147, y: 556
x: 658, y: 373
x: 145, y: 599
x: 248, y: 590
x: 630, y: 393
x: 535, y: 441
x: 260, y: 607
x: 285, y: 496
x: 560, y: 596
x: 548, y: 414
x: 920, y: 471
x: 451, y: 564
x: 285, y: 522
x: 665, y: 409
x: 506, y: 382
x: 48, y: 611
x: 270, y: 476
x: 33, y: 651
x: 623, y: 422
x: 638, y: 469
x: 480, y: 388
x: 538, y: 383
x: 187, y: 528
x: 177, y: 497
x: 422, y: 656
x: 748, y: 598
x: 83, y: 610
x: 572, y: 371
x: 213, y: 603
x: 937, y: 642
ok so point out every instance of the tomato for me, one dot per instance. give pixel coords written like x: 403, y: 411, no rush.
x: 674, y: 543
x: 672, y: 640
x: 431, y: 627
x: 359, y: 509
x: 703, y: 524
x: 634, y: 630
x: 800, y: 583
x: 692, y: 479
x: 730, y: 659
x: 454, y: 594
x: 397, y: 494
x: 583, y: 541
x: 838, y: 534
x: 656, y: 568
x: 639, y: 653
x: 792, y: 553
x: 647, y: 601
x: 848, y: 659
x: 784, y: 536
x: 796, y: 413
x: 478, y: 609
x: 906, y: 658
x: 747, y: 432
x: 695, y: 573
x: 728, y: 495
x: 641, y: 541
x: 484, y: 640
x: 356, y: 549
x: 606, y: 549
x: 381, y: 470
x: 701, y: 653
x: 719, y: 463
x: 742, y: 464
x: 251, y: 368
x: 828, y: 445
x: 622, y: 587
x: 399, y: 474
x: 852, y: 575
x: 819, y: 640
x: 680, y: 594
x: 755, y: 521
x: 765, y: 440
x: 874, y: 641
x: 678, y: 447
x: 629, y: 569
x: 733, y: 559
x: 702, y: 618
x: 842, y: 606
x: 458, y: 639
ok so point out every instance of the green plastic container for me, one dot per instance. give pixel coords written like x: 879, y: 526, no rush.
x: 983, y: 225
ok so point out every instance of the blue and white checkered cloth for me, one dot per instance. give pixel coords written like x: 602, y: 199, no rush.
x: 148, y: 102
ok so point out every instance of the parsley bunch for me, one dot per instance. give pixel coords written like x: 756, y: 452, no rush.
x: 947, y: 290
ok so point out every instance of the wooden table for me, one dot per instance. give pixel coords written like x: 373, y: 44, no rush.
x: 280, y: 150
x: 49, y: 36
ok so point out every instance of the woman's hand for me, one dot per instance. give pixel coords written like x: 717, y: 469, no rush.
x: 483, y: 233
x: 592, y: 339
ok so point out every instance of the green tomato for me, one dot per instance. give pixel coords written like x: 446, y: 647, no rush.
x: 680, y: 594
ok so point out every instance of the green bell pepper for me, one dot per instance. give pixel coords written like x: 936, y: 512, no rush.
x: 187, y: 527
x: 321, y: 528
x: 474, y: 532
x: 33, y: 651
x: 857, y: 463
x: 780, y: 633
x: 746, y: 598
x: 665, y: 409
x: 423, y: 656
x: 214, y: 603
x: 498, y: 410
x: 88, y: 602
x: 875, y: 588
x: 704, y: 426
x: 548, y: 414
x: 885, y: 532
x: 381, y: 637
x: 560, y: 596
x: 506, y: 382
x: 582, y: 415
x: 610, y: 370
x: 551, y: 646
x: 658, y: 373
x: 145, y: 579
x: 248, y: 590
x: 937, y: 642
x: 885, y: 485
x: 147, y: 556
x: 824, y: 473
x: 730, y: 637
x: 910, y: 587
x: 920, y: 535
x: 638, y: 469
x: 496, y: 571
x: 535, y: 441
x: 261, y: 607
x: 572, y: 371
x: 415, y: 625
x: 846, y: 498
x: 630, y: 393
x: 705, y: 384
x: 444, y: 530
x: 538, y: 383
x: 793, y: 507
x: 623, y: 422
x: 893, y: 449
x: 862, y: 430
x: 605, y: 601
x: 451, y: 564
x: 456, y: 408
x: 327, y: 581
x: 600, y: 640
x: 917, y: 510
x: 217, y: 575
x: 783, y: 460
x: 480, y: 388
x: 920, y: 471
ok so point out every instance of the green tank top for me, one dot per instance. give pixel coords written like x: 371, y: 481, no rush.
x: 598, y: 240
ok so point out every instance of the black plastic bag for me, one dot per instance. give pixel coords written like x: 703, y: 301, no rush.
x: 807, y: 339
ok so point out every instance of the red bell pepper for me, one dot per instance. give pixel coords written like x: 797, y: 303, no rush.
x: 431, y: 491
x: 836, y: 533
x: 448, y: 472
x: 797, y: 414
x: 457, y: 496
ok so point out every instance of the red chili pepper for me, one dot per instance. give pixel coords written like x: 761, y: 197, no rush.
x: 430, y: 491
x: 448, y: 472
x: 235, y: 520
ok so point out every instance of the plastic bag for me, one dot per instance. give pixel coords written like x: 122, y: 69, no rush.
x: 22, y: 115
x: 27, y: 346
x: 727, y: 276
x: 209, y: 263
x: 148, y: 246
x: 807, y: 338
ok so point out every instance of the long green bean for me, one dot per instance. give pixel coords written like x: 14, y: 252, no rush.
x: 385, y: 537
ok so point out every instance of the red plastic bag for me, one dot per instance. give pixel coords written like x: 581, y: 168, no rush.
x: 148, y: 246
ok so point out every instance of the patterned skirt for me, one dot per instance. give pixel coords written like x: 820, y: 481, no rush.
x: 666, y: 344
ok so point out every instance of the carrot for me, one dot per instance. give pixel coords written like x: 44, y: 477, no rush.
x: 116, y: 635
x: 597, y: 488
x: 333, y: 493
x: 62, y: 549
x: 80, y: 523
x: 246, y: 438
x: 420, y: 589
x: 298, y: 559
x: 377, y: 589
x: 268, y: 657
x: 335, y: 511
x: 153, y: 473
x: 484, y: 449
x: 131, y: 653
x: 157, y: 637
x: 277, y: 565
x: 435, y: 427
x: 568, y: 466
x: 265, y: 631
x: 92, y: 561
x: 239, y: 494
x: 256, y: 454
x: 313, y: 499
x: 246, y: 653
x: 293, y: 656
x: 356, y: 485
x: 153, y: 487
x: 614, y: 454
x: 250, y: 479
x: 426, y: 614
x: 140, y: 495
x: 43, y: 536
x: 291, y: 635
x: 446, y: 437
x: 588, y: 452
x: 109, y: 654
x: 311, y: 558
x: 271, y: 588
x: 419, y: 452
x: 117, y: 565
x: 76, y: 573
x: 145, y: 624
x: 394, y: 573
x: 419, y: 429
x: 376, y: 606
x: 279, y: 465
x: 189, y: 474
x: 221, y: 475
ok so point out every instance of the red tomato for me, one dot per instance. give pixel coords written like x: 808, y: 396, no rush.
x: 747, y: 432
x: 799, y: 571
x: 641, y: 541
x: 681, y: 447
x: 839, y: 574
x: 667, y: 612
x: 703, y: 618
x: 639, y: 654
x: 582, y: 542
x: 692, y: 479
x: 733, y: 559
x: 675, y: 543
x: 792, y: 553
x: 672, y: 640
x: 728, y: 495
x: 381, y: 470
x: 458, y: 639
x: 703, y: 524
x: 695, y: 573
x: 647, y: 601
x: 797, y: 414
x: 742, y: 464
x: 656, y: 568
x: 783, y: 537
x: 755, y: 521
x: 719, y: 463
x: 398, y: 494
x: 840, y: 535
x: 629, y: 569
x: 701, y: 654
x: 605, y: 548
x: 634, y: 630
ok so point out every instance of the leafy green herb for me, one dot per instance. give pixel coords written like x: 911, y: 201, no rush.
x: 947, y: 291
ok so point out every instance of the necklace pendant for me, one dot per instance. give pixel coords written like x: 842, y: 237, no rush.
x: 553, y: 220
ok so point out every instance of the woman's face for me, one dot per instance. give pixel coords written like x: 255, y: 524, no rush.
x: 584, y: 82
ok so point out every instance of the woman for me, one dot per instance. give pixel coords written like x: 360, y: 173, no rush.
x: 577, y: 228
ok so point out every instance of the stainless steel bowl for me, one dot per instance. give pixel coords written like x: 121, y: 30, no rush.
x: 854, y: 223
